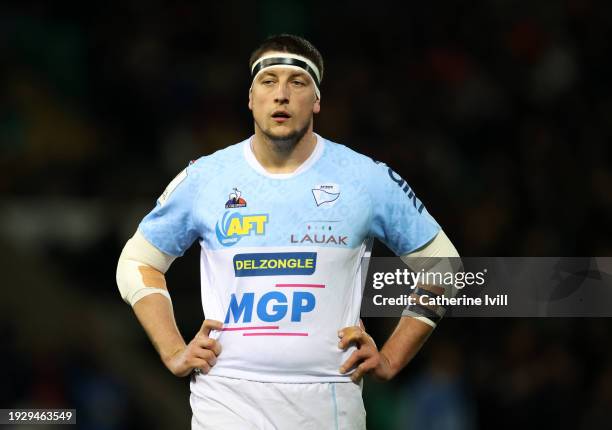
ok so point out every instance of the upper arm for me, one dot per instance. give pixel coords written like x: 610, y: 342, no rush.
x: 171, y: 226
x: 399, y: 218
x: 140, y: 270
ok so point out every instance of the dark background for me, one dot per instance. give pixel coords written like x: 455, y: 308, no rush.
x: 498, y: 113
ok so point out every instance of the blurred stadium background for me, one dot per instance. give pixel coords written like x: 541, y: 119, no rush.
x: 499, y: 114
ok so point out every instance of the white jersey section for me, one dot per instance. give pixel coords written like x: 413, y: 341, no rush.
x: 279, y: 328
x: 281, y: 253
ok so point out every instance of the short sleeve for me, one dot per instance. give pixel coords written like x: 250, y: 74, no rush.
x: 399, y: 219
x: 170, y: 225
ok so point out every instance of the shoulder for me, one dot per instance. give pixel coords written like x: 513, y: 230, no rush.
x: 201, y: 171
x: 348, y: 158
x: 217, y: 161
x: 205, y: 169
x: 361, y: 166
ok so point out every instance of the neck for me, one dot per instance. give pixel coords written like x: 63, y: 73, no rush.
x: 281, y: 156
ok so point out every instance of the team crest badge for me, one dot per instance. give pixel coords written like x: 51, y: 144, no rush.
x: 326, y: 194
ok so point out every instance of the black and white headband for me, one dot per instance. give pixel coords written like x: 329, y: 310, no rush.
x: 293, y: 61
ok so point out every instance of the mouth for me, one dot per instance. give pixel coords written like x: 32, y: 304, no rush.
x: 280, y: 116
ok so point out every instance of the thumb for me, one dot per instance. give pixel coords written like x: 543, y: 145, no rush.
x: 209, y: 325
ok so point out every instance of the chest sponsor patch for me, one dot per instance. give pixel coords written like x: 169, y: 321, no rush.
x: 234, y: 226
x: 274, y: 264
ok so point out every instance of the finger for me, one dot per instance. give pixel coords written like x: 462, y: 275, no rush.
x: 369, y: 364
x: 361, y: 325
x: 351, y: 335
x: 204, y: 342
x: 198, y: 363
x: 347, y: 330
x: 209, y: 325
x: 208, y: 343
x: 207, y: 355
x: 356, y: 335
x: 365, y: 354
x: 216, y: 347
x: 361, y: 370
x: 352, y: 361
x: 356, y: 376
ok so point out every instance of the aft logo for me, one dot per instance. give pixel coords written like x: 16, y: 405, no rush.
x: 234, y: 226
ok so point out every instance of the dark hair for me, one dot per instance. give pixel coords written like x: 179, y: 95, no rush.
x: 291, y: 44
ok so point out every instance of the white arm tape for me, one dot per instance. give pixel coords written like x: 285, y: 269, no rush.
x: 439, y: 246
x: 438, y: 256
x: 408, y: 313
x: 139, y: 254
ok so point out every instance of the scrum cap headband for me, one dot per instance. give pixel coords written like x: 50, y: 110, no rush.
x: 293, y: 61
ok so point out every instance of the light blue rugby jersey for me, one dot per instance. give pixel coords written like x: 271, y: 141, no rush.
x: 281, y: 253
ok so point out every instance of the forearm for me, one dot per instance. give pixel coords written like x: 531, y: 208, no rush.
x: 406, y: 340
x: 155, y: 314
x: 439, y: 255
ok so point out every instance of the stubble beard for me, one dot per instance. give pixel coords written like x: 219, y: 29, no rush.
x: 285, y: 144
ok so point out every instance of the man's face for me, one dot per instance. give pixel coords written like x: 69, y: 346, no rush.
x: 283, y: 101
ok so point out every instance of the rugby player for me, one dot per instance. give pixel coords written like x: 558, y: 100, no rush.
x: 283, y: 219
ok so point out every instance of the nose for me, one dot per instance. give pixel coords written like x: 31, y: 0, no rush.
x: 281, y: 95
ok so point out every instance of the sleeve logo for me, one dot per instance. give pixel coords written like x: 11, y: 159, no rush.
x: 407, y: 190
x: 172, y: 186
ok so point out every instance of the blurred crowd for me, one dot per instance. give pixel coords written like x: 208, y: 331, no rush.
x: 498, y: 113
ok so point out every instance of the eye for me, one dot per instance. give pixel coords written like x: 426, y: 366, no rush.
x: 298, y: 83
x: 267, y: 82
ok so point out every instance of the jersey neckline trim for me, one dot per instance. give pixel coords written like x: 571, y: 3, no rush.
x: 310, y: 161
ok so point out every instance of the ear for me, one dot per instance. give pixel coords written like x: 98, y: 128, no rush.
x: 251, y: 98
x: 316, y: 108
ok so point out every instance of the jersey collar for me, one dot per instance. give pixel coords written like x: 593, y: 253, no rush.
x: 312, y: 159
